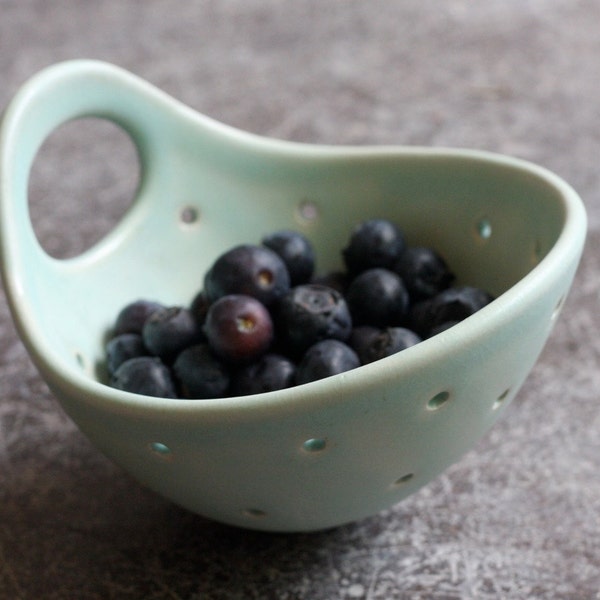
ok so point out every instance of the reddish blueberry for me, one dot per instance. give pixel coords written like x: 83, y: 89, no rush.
x: 239, y: 328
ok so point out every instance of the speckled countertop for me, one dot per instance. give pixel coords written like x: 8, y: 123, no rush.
x: 519, y: 515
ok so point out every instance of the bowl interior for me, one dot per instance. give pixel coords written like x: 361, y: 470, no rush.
x: 493, y: 220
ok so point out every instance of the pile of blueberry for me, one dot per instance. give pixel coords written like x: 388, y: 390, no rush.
x: 263, y: 321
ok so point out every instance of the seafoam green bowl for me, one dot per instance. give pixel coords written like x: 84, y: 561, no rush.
x: 319, y: 454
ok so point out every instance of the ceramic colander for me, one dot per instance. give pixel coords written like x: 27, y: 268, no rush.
x: 320, y: 454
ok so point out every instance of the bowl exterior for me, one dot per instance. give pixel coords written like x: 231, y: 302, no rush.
x: 328, y: 453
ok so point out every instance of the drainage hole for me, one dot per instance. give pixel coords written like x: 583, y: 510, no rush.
x: 80, y: 360
x: 500, y: 399
x: 314, y: 445
x: 402, y: 480
x: 160, y: 450
x: 438, y: 400
x: 307, y: 212
x: 484, y: 228
x: 189, y: 215
x: 557, y: 309
x: 93, y: 162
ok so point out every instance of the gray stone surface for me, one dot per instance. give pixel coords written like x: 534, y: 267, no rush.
x: 519, y: 515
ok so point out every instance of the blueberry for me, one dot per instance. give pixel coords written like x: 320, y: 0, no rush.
x: 377, y: 297
x: 424, y: 272
x: 310, y: 313
x: 296, y: 252
x: 269, y: 373
x: 145, y: 375
x: 442, y: 327
x: 199, y: 307
x: 200, y: 374
x: 375, y: 344
x: 373, y: 243
x: 250, y: 270
x: 239, y: 328
x: 169, y: 330
x: 362, y: 338
x: 326, y: 358
x: 123, y: 347
x: 338, y: 280
x: 453, y: 304
x: 132, y: 317
x: 421, y: 318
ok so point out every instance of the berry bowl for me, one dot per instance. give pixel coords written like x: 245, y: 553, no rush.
x: 319, y: 454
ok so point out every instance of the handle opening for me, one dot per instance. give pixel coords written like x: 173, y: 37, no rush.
x: 83, y: 180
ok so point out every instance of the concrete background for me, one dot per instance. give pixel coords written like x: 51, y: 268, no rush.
x: 518, y: 516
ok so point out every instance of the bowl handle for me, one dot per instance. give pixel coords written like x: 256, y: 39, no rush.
x: 60, y: 93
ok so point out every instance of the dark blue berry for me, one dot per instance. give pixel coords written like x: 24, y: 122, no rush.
x: 132, y: 317
x: 373, y: 243
x: 310, y: 313
x: 362, y: 338
x: 145, y: 375
x: 199, y: 307
x: 123, y: 347
x: 326, y: 358
x: 338, y: 280
x: 169, y: 330
x: 200, y: 374
x: 239, y: 328
x: 453, y: 304
x: 250, y: 270
x: 377, y: 297
x: 373, y: 344
x: 296, y: 252
x: 269, y: 373
x: 442, y: 327
x: 424, y: 272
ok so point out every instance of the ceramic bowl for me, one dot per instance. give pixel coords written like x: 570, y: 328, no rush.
x: 320, y: 454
